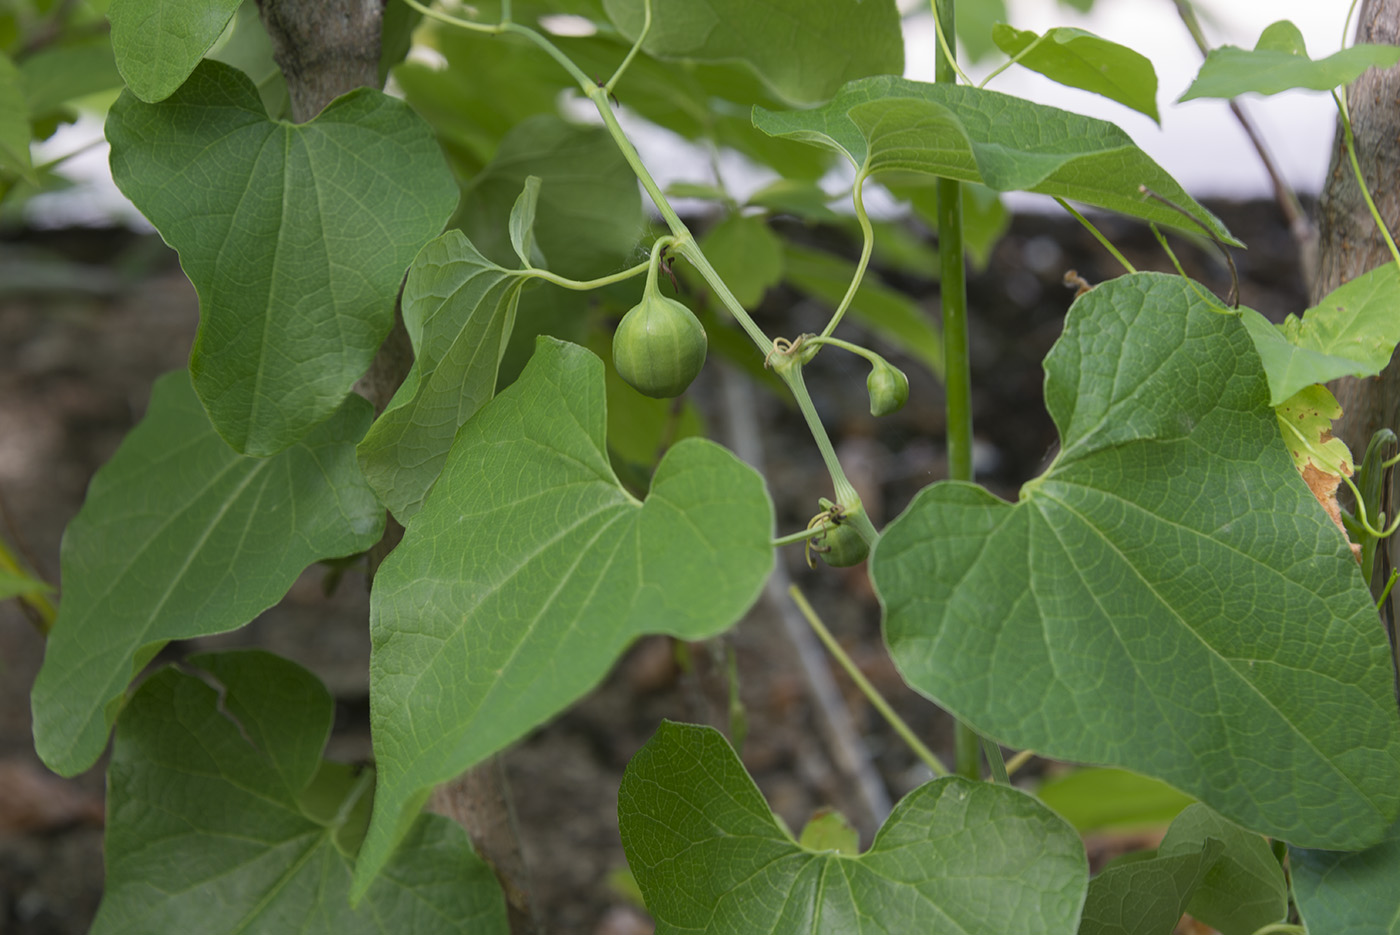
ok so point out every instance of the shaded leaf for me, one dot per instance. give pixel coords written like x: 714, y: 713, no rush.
x: 1095, y: 799
x: 529, y: 570
x: 747, y: 255
x: 985, y: 218
x: 56, y: 75
x: 974, y: 135
x: 1349, y: 894
x: 1351, y: 332
x: 14, y: 121
x: 295, y: 236
x: 1146, y: 896
x: 522, y: 224
x: 802, y: 49
x: 887, y: 312
x: 829, y: 830
x: 158, y: 43
x: 588, y: 216
x: 1167, y: 597
x: 974, y: 24
x: 639, y: 425
x: 1280, y: 62
x: 954, y: 855
x: 458, y: 309
x: 1082, y: 60
x: 806, y: 200
x: 179, y: 537
x: 255, y: 832
x: 1244, y: 890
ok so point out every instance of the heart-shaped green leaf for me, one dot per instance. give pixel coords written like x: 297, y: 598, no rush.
x: 802, y: 49
x: 954, y: 855
x: 1280, y: 62
x: 1244, y: 890
x: 159, y: 42
x: 295, y: 236
x: 1146, y: 894
x: 529, y: 569
x: 1168, y: 596
x: 458, y: 308
x: 1083, y: 60
x: 1351, y: 332
x: 180, y: 536
x: 1349, y: 894
x: 223, y: 818
x: 957, y: 132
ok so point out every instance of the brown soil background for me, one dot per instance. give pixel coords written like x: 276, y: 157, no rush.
x: 89, y: 318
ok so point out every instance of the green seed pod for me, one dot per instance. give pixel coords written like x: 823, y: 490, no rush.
x: 659, y: 347
x: 843, y: 546
x: 889, y: 389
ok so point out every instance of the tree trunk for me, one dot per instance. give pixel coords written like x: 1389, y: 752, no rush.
x: 327, y: 48
x: 1350, y: 243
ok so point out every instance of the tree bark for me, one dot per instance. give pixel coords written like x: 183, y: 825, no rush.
x: 327, y: 48
x: 1350, y: 243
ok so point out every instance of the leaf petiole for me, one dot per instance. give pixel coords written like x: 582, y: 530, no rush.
x: 1098, y: 235
x: 1350, y: 140
x: 867, y: 246
x: 636, y: 47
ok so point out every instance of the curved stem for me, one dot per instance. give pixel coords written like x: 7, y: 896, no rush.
x: 1013, y: 60
x: 451, y: 20
x: 942, y: 25
x: 584, y: 285
x: 1098, y: 235
x: 867, y: 246
x: 41, y: 610
x: 794, y: 537
x: 845, y: 493
x: 1019, y: 760
x: 856, y: 349
x: 636, y: 47
x: 876, y: 699
x: 1350, y: 141
x: 585, y: 83
x: 992, y: 750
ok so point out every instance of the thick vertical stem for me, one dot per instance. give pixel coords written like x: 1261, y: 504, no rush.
x: 324, y: 48
x: 957, y: 378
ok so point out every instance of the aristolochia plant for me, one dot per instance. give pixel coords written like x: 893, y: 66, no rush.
x: 1169, y: 596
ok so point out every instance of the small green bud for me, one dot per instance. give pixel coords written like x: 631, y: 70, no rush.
x: 659, y: 347
x: 842, y: 546
x: 889, y: 389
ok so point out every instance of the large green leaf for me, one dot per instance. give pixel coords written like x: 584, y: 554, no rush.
x: 14, y: 121
x: 1146, y: 895
x: 529, y: 570
x: 223, y: 818
x: 1280, y: 62
x: 954, y: 855
x: 1168, y: 596
x: 802, y: 49
x: 588, y: 216
x: 158, y: 43
x: 892, y: 124
x: 1351, y: 332
x: 295, y: 236
x: 179, y: 537
x: 458, y: 308
x: 1349, y: 894
x: 1244, y: 890
x: 1081, y: 59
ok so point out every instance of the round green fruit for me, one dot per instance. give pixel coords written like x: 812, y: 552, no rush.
x: 889, y: 389
x: 659, y: 347
x: 843, y: 546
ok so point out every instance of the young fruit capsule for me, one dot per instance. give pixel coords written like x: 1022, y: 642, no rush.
x: 843, y: 547
x: 659, y: 346
x: 889, y: 389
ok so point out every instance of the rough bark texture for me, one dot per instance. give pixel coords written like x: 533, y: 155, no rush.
x: 326, y: 48
x: 1350, y: 244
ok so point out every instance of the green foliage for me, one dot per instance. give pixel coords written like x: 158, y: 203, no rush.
x: 181, y: 536
x: 1144, y: 578
x: 803, y: 50
x: 287, y: 329
x: 973, y: 135
x: 1351, y: 332
x: 1349, y: 894
x: 517, y: 587
x: 709, y: 855
x: 14, y: 128
x: 1095, y: 799
x: 18, y: 584
x: 1244, y: 890
x: 1081, y: 59
x: 747, y: 255
x: 222, y: 765
x: 159, y: 43
x: 1280, y: 62
x: 1146, y: 896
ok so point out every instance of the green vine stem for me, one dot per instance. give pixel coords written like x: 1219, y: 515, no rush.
x: 585, y: 285
x: 1098, y: 235
x: 867, y: 246
x: 1013, y: 60
x: 877, y: 700
x: 632, y: 52
x: 856, y: 349
x: 942, y: 26
x: 1350, y: 140
x: 793, y: 538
